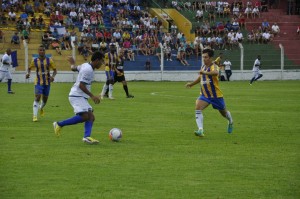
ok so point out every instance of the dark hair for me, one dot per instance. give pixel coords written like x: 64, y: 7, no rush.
x: 209, y: 51
x: 97, y: 55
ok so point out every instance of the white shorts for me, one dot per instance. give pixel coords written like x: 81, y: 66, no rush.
x: 80, y: 104
x: 256, y: 73
x: 5, y: 74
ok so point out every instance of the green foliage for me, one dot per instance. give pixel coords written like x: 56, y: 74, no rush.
x: 159, y: 156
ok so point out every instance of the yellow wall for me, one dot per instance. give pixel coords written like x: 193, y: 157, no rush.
x: 183, y: 24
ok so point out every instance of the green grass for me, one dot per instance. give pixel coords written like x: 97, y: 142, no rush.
x: 159, y: 156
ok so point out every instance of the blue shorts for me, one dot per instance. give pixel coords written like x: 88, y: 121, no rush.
x: 217, y: 103
x: 112, y: 74
x: 42, y: 90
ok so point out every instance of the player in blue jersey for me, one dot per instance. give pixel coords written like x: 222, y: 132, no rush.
x: 78, y: 97
x: 210, y: 92
x: 42, y: 66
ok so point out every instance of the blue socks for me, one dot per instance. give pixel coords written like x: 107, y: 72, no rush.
x: 88, y: 125
x: 9, y: 85
x: 73, y: 120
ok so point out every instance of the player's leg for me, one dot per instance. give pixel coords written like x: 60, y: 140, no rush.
x: 46, y: 92
x: 88, y: 125
x: 253, y: 78
x: 38, y: 90
x: 200, y: 106
x: 9, y: 82
x: 258, y: 76
x: 81, y: 108
x: 125, y: 87
x: 111, y: 85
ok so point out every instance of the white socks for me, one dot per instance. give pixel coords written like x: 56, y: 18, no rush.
x: 110, y: 90
x: 199, y: 119
x: 229, y: 118
x: 35, y: 108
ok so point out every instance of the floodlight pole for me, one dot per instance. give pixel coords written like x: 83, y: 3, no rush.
x: 161, y: 60
x: 242, y: 60
x: 281, y: 59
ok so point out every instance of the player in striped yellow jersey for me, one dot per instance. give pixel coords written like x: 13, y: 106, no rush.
x: 42, y: 66
x: 210, y: 92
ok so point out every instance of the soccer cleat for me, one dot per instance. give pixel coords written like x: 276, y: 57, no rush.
x: 10, y: 92
x: 230, y: 128
x: 101, y: 97
x: 57, y: 129
x: 111, y: 98
x: 130, y: 96
x: 90, y: 140
x: 199, y: 133
x: 42, y: 112
x: 34, y: 119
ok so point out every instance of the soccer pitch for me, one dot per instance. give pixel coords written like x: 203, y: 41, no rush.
x: 158, y: 156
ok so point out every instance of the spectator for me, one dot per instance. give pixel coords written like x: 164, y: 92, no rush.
x: 103, y: 46
x: 298, y: 30
x: 228, y: 72
x: 29, y: 9
x: 255, y: 12
x: 12, y: 15
x: 25, y: 35
x: 55, y: 45
x: 266, y: 37
x: 15, y: 39
x: 275, y: 29
x: 181, y: 55
x: 85, y: 52
x: 199, y: 15
x: 265, y: 25
x: 168, y: 52
x: 40, y: 22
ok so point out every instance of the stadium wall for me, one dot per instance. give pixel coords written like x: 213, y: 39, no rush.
x: 66, y: 76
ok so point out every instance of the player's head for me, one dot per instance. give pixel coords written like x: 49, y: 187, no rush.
x: 8, y: 51
x: 97, y: 59
x: 258, y: 57
x: 42, y: 51
x: 112, y: 47
x: 207, y: 56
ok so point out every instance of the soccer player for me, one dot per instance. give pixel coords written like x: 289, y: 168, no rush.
x: 210, y: 92
x: 111, y: 61
x: 5, y: 70
x: 78, y: 97
x: 42, y: 66
x: 256, y: 70
x: 119, y: 75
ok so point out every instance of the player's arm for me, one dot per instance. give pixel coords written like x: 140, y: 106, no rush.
x: 29, y: 69
x: 52, y: 65
x: 191, y: 84
x: 72, y: 62
x: 82, y: 86
x: 214, y: 72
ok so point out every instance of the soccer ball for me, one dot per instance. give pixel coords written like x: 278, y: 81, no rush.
x: 115, y: 134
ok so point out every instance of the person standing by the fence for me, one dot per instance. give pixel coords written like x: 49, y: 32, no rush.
x: 256, y: 70
x: 228, y: 72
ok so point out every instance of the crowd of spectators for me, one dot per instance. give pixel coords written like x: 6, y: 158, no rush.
x: 134, y: 30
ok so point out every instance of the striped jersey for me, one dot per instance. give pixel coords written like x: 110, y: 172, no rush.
x: 210, y: 84
x: 111, y: 61
x: 42, y: 69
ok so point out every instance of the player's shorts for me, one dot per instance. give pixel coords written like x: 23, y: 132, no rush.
x: 5, y: 74
x: 256, y: 73
x: 111, y: 73
x: 42, y: 90
x: 217, y: 103
x: 80, y: 104
x: 119, y: 78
